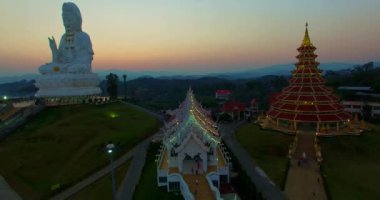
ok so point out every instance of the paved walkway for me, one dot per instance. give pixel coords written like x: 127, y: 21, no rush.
x: 304, y: 180
x: 6, y: 192
x: 262, y: 182
x: 94, y: 177
x: 305, y: 144
x: 133, y: 175
x: 132, y: 178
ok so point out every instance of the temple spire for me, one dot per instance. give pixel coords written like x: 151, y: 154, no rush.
x: 306, y: 39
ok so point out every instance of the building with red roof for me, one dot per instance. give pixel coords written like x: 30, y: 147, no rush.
x: 307, y: 101
x: 234, y: 108
x: 222, y: 94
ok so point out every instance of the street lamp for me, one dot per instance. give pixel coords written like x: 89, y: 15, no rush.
x: 5, y: 98
x: 125, y: 86
x: 110, y: 148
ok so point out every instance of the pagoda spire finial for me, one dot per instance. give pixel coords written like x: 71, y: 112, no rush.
x: 306, y: 39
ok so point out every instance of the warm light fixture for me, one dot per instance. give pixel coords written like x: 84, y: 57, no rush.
x: 110, y: 147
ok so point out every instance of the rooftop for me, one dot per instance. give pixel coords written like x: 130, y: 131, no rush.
x: 355, y: 88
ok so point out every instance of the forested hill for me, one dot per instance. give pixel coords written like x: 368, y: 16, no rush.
x: 161, y: 93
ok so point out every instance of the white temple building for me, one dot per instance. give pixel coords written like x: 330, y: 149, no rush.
x: 191, y: 159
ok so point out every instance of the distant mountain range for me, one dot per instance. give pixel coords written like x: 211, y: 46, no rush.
x: 280, y: 69
x: 10, y: 79
x: 16, y: 89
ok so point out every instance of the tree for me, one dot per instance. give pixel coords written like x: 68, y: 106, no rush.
x: 125, y: 85
x: 376, y: 86
x: 279, y: 82
x: 112, y: 80
x: 253, y: 84
x: 364, y: 74
x: 366, y: 112
x: 365, y: 68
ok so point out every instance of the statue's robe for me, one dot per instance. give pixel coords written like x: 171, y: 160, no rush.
x: 74, y: 55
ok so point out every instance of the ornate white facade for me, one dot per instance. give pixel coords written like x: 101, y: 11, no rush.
x: 192, y: 150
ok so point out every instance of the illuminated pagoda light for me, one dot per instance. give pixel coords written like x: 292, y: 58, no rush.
x: 191, y: 151
x: 307, y: 103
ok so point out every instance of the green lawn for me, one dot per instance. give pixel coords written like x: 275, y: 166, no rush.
x: 63, y: 145
x: 268, y: 148
x: 352, y: 165
x: 102, y: 189
x: 147, y: 187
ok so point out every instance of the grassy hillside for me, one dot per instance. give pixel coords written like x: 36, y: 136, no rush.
x: 62, y: 145
x: 352, y: 165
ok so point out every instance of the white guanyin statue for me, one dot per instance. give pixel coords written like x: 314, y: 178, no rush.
x: 69, y: 73
x: 74, y: 54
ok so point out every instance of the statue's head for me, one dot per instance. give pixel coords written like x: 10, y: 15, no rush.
x: 72, y: 19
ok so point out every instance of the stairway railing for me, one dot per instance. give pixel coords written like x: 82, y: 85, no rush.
x: 184, y: 188
x: 214, y: 189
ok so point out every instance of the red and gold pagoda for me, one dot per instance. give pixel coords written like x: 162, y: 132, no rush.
x: 307, y: 102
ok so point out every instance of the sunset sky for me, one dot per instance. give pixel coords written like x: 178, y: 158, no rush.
x: 192, y: 35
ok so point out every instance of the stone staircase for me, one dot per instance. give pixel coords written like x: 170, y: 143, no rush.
x: 201, y: 191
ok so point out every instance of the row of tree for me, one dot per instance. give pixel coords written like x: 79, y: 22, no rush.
x: 167, y: 93
x: 361, y: 75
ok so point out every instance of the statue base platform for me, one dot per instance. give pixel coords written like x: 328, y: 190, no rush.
x: 67, y: 85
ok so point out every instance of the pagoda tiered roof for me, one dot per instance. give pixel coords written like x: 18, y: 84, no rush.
x: 307, y: 99
x: 191, y: 118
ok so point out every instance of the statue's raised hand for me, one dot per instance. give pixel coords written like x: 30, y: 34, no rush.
x: 52, y: 44
x: 54, y: 49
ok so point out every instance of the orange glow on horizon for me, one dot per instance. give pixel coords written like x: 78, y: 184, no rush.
x: 194, y: 35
